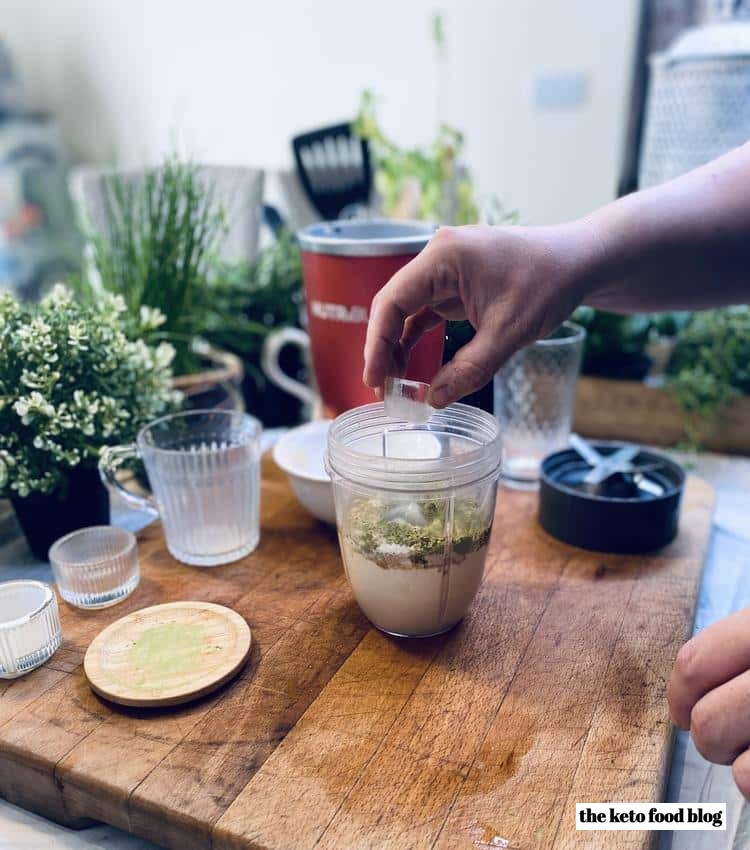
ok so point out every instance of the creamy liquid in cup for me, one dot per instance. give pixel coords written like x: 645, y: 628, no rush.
x: 409, y: 601
x: 414, y: 564
x: 421, y: 586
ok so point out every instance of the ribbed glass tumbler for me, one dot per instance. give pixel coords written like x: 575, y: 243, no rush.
x: 95, y: 567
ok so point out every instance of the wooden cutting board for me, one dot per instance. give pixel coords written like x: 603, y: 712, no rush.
x: 333, y: 735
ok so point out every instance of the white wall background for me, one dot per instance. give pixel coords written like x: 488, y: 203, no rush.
x: 230, y: 81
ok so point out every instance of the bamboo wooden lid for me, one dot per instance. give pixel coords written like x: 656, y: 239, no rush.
x: 167, y: 654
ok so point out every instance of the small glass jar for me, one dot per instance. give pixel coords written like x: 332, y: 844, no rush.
x: 96, y: 567
x: 29, y: 626
x: 414, y: 511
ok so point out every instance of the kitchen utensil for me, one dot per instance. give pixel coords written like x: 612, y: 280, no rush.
x: 272, y: 219
x: 414, y: 522
x: 95, y: 567
x: 616, y: 462
x: 636, y: 510
x: 619, y: 463
x: 334, y: 168
x: 203, y: 466
x: 585, y: 450
x: 29, y: 626
x: 646, y: 484
x: 344, y: 265
x: 300, y: 453
x: 534, y: 393
x: 167, y: 654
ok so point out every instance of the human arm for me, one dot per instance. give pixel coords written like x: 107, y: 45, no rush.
x: 682, y: 245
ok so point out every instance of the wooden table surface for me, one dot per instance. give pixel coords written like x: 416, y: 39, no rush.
x: 551, y: 692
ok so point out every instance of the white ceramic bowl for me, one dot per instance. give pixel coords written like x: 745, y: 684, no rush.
x: 300, y: 453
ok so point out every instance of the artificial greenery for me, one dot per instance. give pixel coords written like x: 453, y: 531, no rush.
x: 615, y: 345
x: 71, y: 381
x: 394, y: 533
x: 160, y: 250
x: 163, y: 230
x: 256, y: 298
x: 710, y: 366
x: 446, y: 192
x: 435, y: 170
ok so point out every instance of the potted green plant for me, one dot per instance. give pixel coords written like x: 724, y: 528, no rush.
x: 697, y: 392
x: 708, y: 374
x: 431, y: 183
x: 158, y: 247
x: 256, y: 298
x: 71, y: 382
x: 616, y: 346
x: 427, y: 183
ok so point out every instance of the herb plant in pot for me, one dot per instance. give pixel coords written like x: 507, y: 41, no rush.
x: 433, y: 183
x: 156, y: 238
x: 259, y: 297
x: 71, y: 382
x: 616, y: 346
x: 708, y: 371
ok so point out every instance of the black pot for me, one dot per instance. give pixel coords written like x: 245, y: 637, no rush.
x: 45, y: 517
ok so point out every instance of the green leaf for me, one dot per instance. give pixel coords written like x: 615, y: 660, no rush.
x: 435, y: 169
x: 710, y: 366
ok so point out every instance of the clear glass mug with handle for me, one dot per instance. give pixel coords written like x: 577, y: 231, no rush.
x: 203, y: 467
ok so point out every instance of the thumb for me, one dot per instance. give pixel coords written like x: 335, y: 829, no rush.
x: 473, y: 366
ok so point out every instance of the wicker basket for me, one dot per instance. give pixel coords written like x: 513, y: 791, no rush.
x: 630, y: 410
x: 219, y: 386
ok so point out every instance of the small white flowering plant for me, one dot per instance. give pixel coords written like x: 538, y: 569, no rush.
x: 71, y: 382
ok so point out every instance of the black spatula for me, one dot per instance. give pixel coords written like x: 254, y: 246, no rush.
x: 334, y: 168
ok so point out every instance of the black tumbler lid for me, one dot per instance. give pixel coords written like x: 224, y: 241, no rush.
x: 619, y: 517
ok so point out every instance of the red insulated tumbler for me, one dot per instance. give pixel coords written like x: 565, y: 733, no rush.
x: 344, y: 263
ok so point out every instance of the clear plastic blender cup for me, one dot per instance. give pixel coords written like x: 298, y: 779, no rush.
x: 414, y: 511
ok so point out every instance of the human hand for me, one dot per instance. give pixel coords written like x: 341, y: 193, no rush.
x: 514, y: 284
x: 709, y: 693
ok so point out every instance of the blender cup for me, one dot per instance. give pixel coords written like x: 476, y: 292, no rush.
x: 414, y: 511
